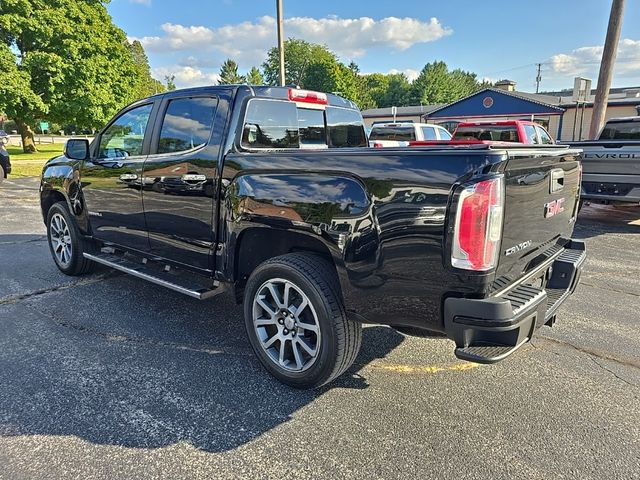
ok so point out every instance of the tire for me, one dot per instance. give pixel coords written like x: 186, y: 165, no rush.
x: 66, y: 244
x: 326, y: 341
x: 2, y: 174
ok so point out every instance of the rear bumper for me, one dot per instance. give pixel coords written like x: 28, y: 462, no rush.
x: 607, y: 188
x: 488, y: 330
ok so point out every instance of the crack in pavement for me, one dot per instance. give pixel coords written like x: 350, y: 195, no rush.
x: 593, y: 359
x: 13, y: 299
x: 593, y: 355
x: 41, y: 238
x: 112, y: 338
x: 609, y: 289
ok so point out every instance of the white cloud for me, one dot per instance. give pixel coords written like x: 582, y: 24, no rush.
x: 248, y: 42
x: 586, y: 60
x: 186, y: 76
x: 141, y: 2
x: 410, y: 73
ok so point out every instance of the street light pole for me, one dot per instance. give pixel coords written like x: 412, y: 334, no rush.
x: 606, y: 67
x: 280, y: 40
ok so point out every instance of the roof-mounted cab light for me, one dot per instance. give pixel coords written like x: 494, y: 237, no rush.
x: 307, y: 96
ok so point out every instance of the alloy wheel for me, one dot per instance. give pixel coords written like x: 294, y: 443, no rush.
x: 61, y: 240
x: 286, y: 325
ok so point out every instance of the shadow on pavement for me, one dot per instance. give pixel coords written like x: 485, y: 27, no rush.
x: 595, y: 220
x: 58, y: 378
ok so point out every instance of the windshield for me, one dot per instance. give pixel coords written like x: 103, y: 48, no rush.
x: 621, y: 131
x: 401, y: 134
x: 498, y: 133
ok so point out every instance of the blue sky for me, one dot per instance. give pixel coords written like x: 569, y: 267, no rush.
x: 495, y: 39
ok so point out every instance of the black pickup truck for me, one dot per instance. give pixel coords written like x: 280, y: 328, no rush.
x: 271, y: 193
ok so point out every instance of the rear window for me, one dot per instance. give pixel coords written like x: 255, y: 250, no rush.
x: 621, y: 131
x: 313, y: 133
x: 346, y: 128
x: 399, y: 134
x: 275, y: 124
x: 497, y: 133
x: 270, y: 124
x: 429, y: 133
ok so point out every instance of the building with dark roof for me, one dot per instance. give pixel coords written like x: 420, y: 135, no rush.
x: 556, y: 111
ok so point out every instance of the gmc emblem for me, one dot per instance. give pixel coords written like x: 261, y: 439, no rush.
x: 552, y: 209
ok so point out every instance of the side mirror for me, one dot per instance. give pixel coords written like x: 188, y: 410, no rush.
x: 77, y: 149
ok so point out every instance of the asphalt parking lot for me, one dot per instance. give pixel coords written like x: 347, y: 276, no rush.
x: 106, y: 376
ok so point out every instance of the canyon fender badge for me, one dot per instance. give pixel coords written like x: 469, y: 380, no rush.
x: 94, y: 214
x: 554, y: 208
x: 517, y: 248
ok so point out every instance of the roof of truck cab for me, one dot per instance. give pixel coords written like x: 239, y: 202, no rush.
x: 260, y: 91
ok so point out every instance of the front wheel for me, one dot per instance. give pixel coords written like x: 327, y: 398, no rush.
x: 66, y: 243
x: 296, y: 322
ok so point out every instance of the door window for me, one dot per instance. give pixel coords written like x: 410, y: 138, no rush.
x: 124, y: 137
x: 186, y: 124
x: 530, y: 132
x: 444, y: 134
x: 545, y: 139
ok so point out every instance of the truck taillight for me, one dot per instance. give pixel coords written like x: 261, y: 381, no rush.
x: 377, y: 145
x: 307, y: 96
x: 478, y: 226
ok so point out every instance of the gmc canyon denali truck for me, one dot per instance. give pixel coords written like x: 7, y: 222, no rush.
x: 611, y: 164
x: 271, y: 193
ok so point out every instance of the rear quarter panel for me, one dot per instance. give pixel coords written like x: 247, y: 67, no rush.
x: 381, y: 213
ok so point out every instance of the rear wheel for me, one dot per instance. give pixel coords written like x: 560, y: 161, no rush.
x: 296, y: 322
x: 2, y: 174
x: 66, y: 243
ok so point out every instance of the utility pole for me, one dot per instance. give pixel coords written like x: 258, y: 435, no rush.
x: 606, y: 67
x: 538, y: 77
x: 280, y: 40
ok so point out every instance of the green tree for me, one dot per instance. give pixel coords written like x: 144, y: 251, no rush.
x: 81, y: 73
x: 388, y: 90
x: 170, y: 80
x: 298, y: 57
x: 146, y: 85
x: 229, y: 73
x: 254, y: 77
x: 436, y: 84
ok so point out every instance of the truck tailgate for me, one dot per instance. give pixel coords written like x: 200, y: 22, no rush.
x: 613, y: 158
x: 541, y: 196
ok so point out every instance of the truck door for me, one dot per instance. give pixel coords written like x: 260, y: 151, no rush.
x: 112, y: 179
x: 180, y: 176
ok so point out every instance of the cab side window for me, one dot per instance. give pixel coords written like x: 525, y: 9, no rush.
x: 187, y: 124
x: 124, y: 137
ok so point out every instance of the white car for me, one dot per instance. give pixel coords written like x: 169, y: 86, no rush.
x: 399, y: 134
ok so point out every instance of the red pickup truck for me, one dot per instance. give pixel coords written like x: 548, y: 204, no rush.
x: 510, y: 131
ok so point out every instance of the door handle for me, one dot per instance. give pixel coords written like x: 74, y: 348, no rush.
x: 557, y: 180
